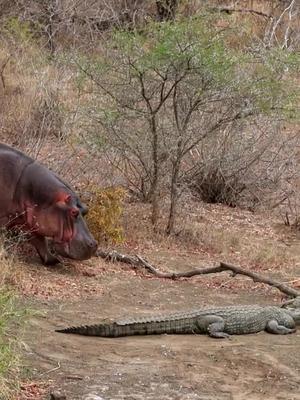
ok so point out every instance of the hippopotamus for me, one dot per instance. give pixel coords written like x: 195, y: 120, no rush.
x: 38, y: 202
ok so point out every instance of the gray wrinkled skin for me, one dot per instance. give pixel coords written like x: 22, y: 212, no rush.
x: 218, y: 322
x: 36, y: 201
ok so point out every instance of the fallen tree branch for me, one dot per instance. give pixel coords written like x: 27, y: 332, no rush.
x: 177, y: 275
x: 2, y: 68
x: 115, y: 256
x: 258, y: 278
x: 137, y: 261
x: 230, y: 10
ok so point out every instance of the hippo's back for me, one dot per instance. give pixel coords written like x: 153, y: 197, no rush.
x: 12, y: 164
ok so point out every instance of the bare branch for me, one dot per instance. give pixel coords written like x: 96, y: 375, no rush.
x: 278, y: 21
x: 137, y: 261
x: 230, y: 10
x: 2, y: 68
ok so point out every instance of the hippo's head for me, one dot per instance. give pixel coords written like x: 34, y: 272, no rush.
x: 82, y: 245
x: 62, y: 222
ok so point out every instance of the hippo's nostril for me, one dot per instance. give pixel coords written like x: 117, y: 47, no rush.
x: 93, y: 245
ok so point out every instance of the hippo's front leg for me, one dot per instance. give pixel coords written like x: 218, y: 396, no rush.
x: 41, y: 245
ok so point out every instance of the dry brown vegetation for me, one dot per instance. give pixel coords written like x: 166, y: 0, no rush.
x: 237, y: 192
x: 45, y: 107
x: 208, y: 234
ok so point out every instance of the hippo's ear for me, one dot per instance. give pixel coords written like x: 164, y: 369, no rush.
x: 62, y: 199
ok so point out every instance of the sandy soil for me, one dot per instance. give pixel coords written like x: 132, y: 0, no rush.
x: 165, y: 367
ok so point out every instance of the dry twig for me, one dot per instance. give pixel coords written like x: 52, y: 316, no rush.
x: 137, y: 261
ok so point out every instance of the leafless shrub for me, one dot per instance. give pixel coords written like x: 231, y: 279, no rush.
x: 152, y: 107
x: 246, y: 165
x: 283, y: 28
x: 213, y: 187
x: 73, y: 23
x: 274, y: 22
x: 289, y: 208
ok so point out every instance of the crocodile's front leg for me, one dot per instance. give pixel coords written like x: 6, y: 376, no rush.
x: 213, y: 325
x: 274, y: 327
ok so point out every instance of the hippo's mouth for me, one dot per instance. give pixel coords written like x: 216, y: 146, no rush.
x: 64, y: 234
x: 64, y: 247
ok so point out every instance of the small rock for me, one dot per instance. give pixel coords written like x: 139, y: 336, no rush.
x: 93, y: 397
x: 56, y: 395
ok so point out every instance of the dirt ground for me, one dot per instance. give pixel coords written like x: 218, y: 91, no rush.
x: 165, y: 367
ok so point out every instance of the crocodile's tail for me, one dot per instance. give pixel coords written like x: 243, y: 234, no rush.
x: 116, y: 329
x: 105, y: 330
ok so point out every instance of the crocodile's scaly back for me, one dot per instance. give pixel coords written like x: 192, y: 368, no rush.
x: 177, y: 323
x: 225, y: 320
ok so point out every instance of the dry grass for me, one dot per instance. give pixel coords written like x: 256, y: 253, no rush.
x: 11, y: 271
x: 33, y: 98
x: 228, y: 243
x: 215, y: 233
x: 219, y: 242
x: 12, y: 317
x: 6, y: 264
x: 9, y: 360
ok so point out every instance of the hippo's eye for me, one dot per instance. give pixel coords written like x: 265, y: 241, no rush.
x: 68, y: 199
x: 84, y: 211
x: 74, y: 212
x: 83, y: 208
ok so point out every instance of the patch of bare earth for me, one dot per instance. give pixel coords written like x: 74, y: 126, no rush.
x: 164, y: 367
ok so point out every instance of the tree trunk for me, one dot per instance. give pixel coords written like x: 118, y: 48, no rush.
x: 154, y: 191
x: 174, y: 198
x: 50, y: 34
x: 155, y: 209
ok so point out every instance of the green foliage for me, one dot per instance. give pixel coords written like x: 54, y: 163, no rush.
x: 6, y: 314
x: 20, y: 30
x: 8, y: 356
x: 189, y: 45
x: 267, y: 80
x: 105, y: 210
x: 160, y: 92
x: 198, y: 53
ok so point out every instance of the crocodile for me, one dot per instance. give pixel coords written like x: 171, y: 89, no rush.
x: 218, y: 322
